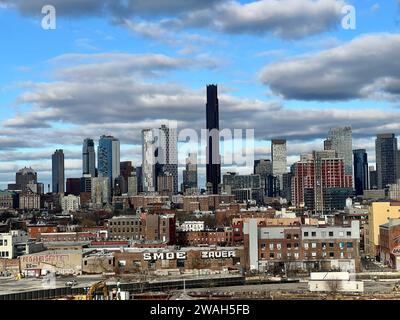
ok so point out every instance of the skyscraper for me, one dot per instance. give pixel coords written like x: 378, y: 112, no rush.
x: 263, y: 167
x: 88, y: 158
x: 213, y: 165
x: 167, y: 154
x: 108, y: 158
x: 148, y: 161
x: 279, y: 159
x: 361, y: 171
x: 58, y: 171
x: 190, y: 173
x: 340, y: 139
x: 386, y: 159
x: 25, y: 177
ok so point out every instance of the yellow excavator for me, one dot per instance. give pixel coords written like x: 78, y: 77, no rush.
x: 95, y: 288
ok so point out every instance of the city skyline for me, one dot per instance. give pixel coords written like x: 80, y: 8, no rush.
x: 50, y: 95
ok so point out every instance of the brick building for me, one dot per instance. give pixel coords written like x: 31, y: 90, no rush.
x: 34, y: 231
x: 135, y: 260
x: 218, y: 237
x: 301, y: 247
x: 126, y: 228
x: 389, y: 243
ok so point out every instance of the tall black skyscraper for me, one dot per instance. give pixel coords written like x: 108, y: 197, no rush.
x: 88, y: 158
x: 57, y: 169
x: 386, y: 159
x: 361, y: 171
x: 213, y: 165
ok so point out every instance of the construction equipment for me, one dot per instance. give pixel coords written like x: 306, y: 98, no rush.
x: 19, y: 276
x: 95, y: 288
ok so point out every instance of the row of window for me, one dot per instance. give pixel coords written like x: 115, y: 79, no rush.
x: 119, y: 230
x: 119, y: 223
x: 3, y: 242
x: 296, y: 255
x: 307, y: 245
x: 323, y: 234
x: 4, y: 254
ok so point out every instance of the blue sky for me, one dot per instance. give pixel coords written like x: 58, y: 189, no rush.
x: 282, y: 69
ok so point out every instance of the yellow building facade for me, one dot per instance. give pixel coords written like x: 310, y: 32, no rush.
x: 379, y: 213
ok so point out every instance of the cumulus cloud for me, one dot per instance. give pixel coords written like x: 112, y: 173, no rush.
x: 366, y: 67
x: 289, y: 19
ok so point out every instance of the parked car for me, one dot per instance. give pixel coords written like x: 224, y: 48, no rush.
x: 71, y: 283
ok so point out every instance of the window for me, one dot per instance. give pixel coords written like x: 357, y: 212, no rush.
x: 121, y: 263
x: 1, y: 242
x: 313, y: 245
x: 331, y: 254
x: 323, y: 234
x: 331, y: 245
x: 313, y: 254
x: 348, y: 233
x: 349, y: 244
x: 331, y: 233
x: 306, y: 234
x: 289, y: 245
x: 5, y: 242
x: 306, y: 246
x: 271, y: 246
x: 341, y: 245
x: 313, y: 234
x: 85, y: 263
x: 341, y: 233
x: 272, y: 255
x: 279, y: 256
x: 296, y: 255
x: 296, y: 245
x: 289, y: 236
x: 278, y: 246
x: 323, y: 244
x: 295, y: 236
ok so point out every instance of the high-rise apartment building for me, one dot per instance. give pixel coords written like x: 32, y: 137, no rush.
x: 213, y: 165
x: 58, y: 171
x: 148, y: 161
x: 386, y: 159
x: 109, y: 158
x: 319, y: 182
x: 361, y: 171
x: 341, y: 140
x: 88, y: 158
x: 167, y: 154
x: 279, y: 159
x: 190, y: 172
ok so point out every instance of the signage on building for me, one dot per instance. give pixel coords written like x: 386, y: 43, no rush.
x: 396, y: 251
x: 181, y: 255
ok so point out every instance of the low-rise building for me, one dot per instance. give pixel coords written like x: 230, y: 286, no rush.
x: 7, y: 200
x: 379, y: 213
x: 389, y: 243
x: 192, y: 226
x: 29, y: 201
x: 218, y: 237
x: 16, y: 243
x: 301, y: 247
x: 135, y: 260
x: 70, y: 203
x: 126, y: 228
x: 57, y: 261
